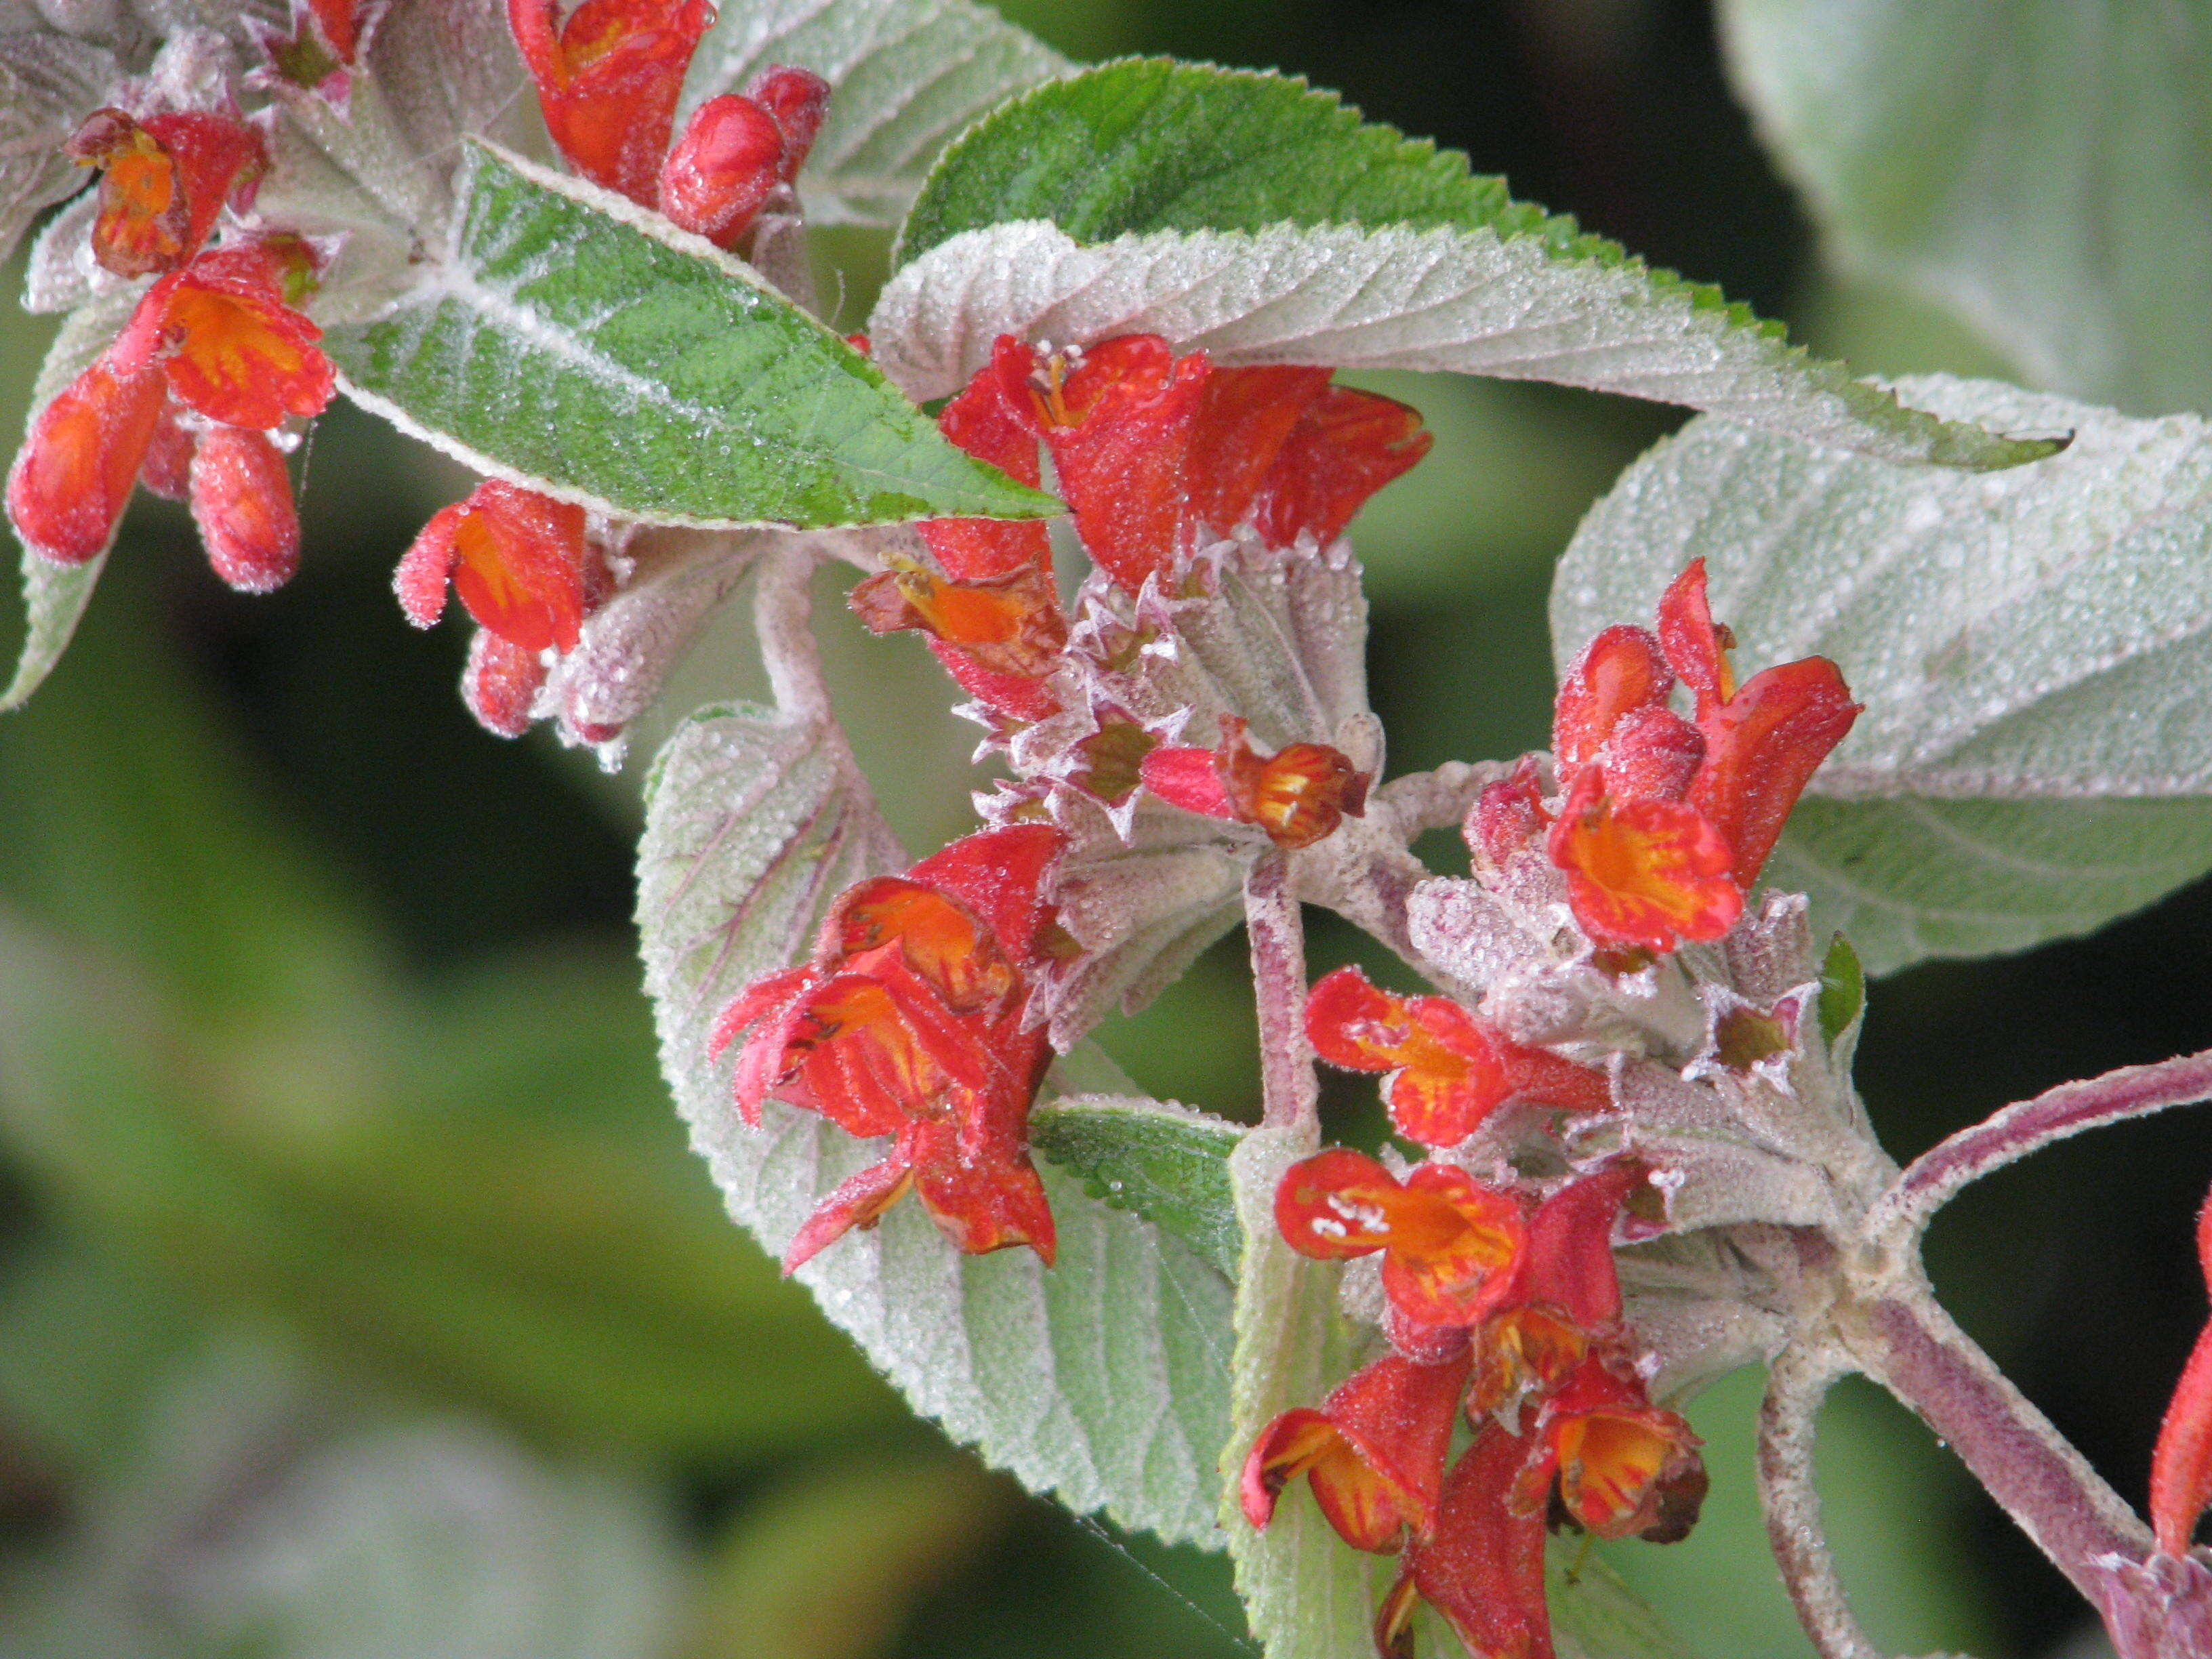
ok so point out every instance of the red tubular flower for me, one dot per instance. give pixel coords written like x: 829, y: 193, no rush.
x: 1009, y: 625
x: 907, y: 1022
x: 736, y: 151
x: 1483, y: 1569
x: 608, y: 79
x: 241, y: 499
x: 517, y: 560
x: 2181, y: 1462
x: 1566, y: 1298
x: 219, y: 338
x: 1375, y: 1452
x: 1448, y: 1070
x: 1150, y: 449
x: 1450, y: 1245
x: 1509, y: 816
x: 1765, y: 739
x: 993, y: 420
x: 1299, y: 794
x: 225, y: 332
x: 162, y: 182
x: 1643, y: 872
x: 1120, y: 419
x: 73, y: 476
x: 1624, y: 1465
x: 1666, y: 823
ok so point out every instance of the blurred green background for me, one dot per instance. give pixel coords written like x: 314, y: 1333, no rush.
x: 358, y: 1296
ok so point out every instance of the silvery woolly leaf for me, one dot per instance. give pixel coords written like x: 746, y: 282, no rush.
x: 908, y: 76
x: 2032, y: 646
x: 1103, y: 1380
x: 48, y: 84
x: 2043, y: 170
x: 1393, y: 296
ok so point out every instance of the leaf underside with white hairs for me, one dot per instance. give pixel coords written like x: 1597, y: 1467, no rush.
x: 1286, y: 213
x: 2043, y: 169
x: 55, y: 595
x: 49, y: 82
x: 909, y: 75
x: 2032, y: 646
x: 1105, y: 1380
x: 577, y: 345
x: 1392, y: 297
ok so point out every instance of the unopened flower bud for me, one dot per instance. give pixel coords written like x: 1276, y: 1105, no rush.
x: 798, y: 98
x: 241, y: 499
x: 723, y: 169
x: 501, y: 682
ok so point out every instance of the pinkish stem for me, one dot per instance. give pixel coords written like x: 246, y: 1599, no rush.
x: 1909, y: 1345
x: 1796, y: 1383
x: 1290, y: 1096
x: 2027, y: 1125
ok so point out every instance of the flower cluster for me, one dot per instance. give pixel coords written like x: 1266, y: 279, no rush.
x: 1502, y: 1304
x: 1188, y: 486
x: 1592, y: 1088
x: 208, y: 384
x: 907, y: 1021
x: 1202, y: 699
x: 1662, y: 823
x: 198, y: 395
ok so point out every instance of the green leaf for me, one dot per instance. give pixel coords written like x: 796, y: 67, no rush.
x: 574, y: 343
x: 2043, y: 170
x: 1150, y: 143
x: 1103, y: 1380
x: 2036, y: 754
x: 55, y: 595
x: 1166, y: 1163
x: 1249, y: 215
x: 1307, y: 1593
x: 1595, y: 1615
x: 909, y: 75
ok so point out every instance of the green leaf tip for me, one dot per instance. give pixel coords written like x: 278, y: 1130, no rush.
x: 1165, y: 1163
x: 572, y: 343
x: 1842, y: 989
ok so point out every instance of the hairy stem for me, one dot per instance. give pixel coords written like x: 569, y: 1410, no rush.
x: 2027, y: 1125
x: 1798, y: 1382
x: 1290, y: 1096
x: 1906, y: 1342
x: 783, y: 612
